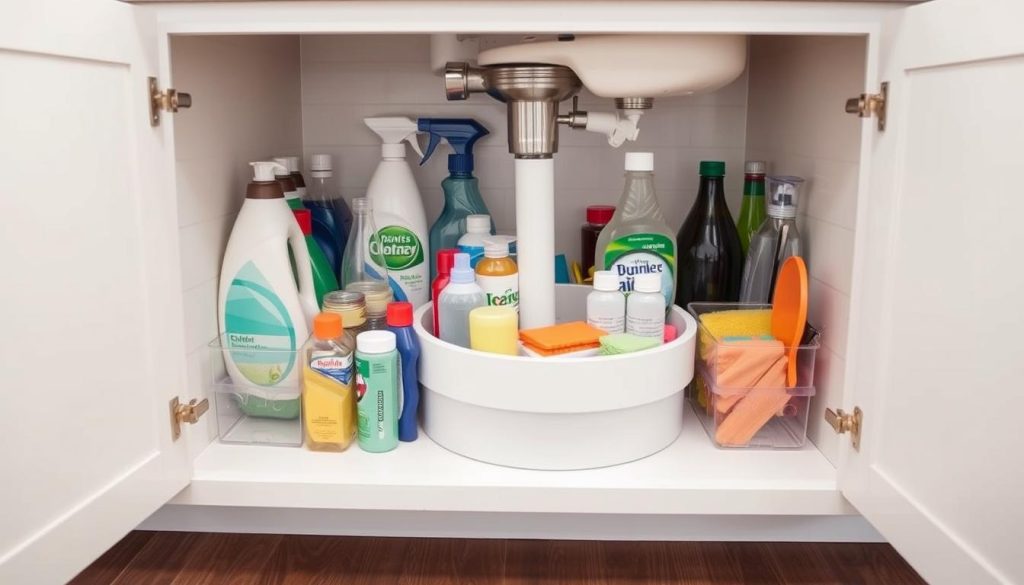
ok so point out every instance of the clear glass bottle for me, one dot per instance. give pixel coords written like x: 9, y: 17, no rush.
x: 638, y: 240
x: 777, y: 240
x: 363, y: 261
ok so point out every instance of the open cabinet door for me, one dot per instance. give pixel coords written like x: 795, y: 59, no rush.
x: 90, y: 323
x: 938, y: 368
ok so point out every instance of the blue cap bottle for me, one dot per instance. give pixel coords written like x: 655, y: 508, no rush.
x: 461, y: 189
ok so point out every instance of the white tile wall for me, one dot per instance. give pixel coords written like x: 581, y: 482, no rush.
x: 348, y: 78
x: 798, y: 86
x: 246, y: 106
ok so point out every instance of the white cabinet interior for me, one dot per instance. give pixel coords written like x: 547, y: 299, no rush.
x: 257, y: 96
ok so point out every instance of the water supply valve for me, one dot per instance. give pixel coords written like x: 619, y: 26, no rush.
x: 618, y: 128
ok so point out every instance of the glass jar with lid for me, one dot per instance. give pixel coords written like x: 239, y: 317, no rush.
x: 352, y: 308
x: 377, y: 296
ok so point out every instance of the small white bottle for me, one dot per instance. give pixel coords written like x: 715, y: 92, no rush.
x: 645, y: 307
x: 606, y: 305
x: 478, y: 229
x: 457, y: 300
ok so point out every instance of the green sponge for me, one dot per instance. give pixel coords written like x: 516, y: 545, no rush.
x: 617, y: 343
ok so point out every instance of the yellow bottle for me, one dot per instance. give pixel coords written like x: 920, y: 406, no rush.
x: 328, y: 400
x: 494, y: 330
x: 498, y: 275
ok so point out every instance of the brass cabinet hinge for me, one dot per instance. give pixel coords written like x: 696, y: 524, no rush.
x: 168, y: 100
x: 186, y: 413
x: 869, y: 104
x: 843, y: 422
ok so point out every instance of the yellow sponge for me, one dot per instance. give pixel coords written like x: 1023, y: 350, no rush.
x: 720, y: 324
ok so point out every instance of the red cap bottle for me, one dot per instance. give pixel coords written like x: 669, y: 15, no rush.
x: 445, y: 261
x: 399, y: 314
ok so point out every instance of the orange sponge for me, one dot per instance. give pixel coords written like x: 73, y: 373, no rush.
x: 562, y: 338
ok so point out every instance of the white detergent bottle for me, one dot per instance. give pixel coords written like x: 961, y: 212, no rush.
x: 262, y: 312
x: 398, y: 212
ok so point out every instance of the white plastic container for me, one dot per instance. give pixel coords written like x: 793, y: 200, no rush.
x: 478, y: 231
x: 606, y: 305
x: 645, y: 308
x: 261, y: 311
x: 555, y: 413
x: 398, y: 212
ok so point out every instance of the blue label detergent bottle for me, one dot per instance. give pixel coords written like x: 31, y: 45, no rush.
x: 400, y: 323
x: 332, y: 217
x: 461, y: 188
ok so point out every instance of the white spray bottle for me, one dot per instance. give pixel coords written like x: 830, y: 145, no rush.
x: 398, y: 212
x: 262, y: 313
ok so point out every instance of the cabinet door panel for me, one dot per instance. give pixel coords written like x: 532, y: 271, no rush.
x: 91, y: 332
x: 937, y: 366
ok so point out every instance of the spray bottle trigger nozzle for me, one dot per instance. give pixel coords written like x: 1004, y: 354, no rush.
x: 434, y: 141
x: 415, y: 144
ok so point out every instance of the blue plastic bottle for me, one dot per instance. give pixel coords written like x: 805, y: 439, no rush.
x: 400, y: 323
x: 332, y: 218
x: 461, y: 188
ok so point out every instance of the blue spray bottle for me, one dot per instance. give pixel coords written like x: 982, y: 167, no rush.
x: 400, y: 323
x: 461, y: 188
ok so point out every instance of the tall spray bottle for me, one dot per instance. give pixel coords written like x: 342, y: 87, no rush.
x: 398, y: 212
x: 260, y: 308
x: 461, y: 189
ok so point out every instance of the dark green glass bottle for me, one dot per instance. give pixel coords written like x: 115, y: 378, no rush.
x: 708, y: 248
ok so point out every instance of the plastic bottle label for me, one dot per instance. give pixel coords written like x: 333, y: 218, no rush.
x: 500, y: 291
x: 608, y: 324
x: 476, y: 254
x: 636, y: 254
x: 645, y: 326
x: 402, y: 254
x: 260, y: 335
x: 377, y: 402
x: 334, y: 366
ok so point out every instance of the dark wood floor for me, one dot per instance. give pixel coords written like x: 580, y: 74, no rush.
x: 180, y: 558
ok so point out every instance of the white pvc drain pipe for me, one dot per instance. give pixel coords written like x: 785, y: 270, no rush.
x: 535, y: 241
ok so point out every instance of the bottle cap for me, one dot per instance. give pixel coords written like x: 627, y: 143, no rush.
x: 400, y: 314
x: 445, y: 261
x: 647, y: 283
x: 755, y: 167
x: 496, y: 248
x: 461, y: 272
x: 478, y: 224
x: 600, y: 214
x: 320, y: 162
x: 343, y: 299
x: 361, y: 204
x: 264, y: 170
x: 282, y: 170
x: 376, y: 293
x: 640, y: 161
x: 291, y: 163
x: 712, y: 168
x: 376, y: 342
x: 327, y: 326
x: 783, y: 196
x: 305, y: 219
x: 605, y: 280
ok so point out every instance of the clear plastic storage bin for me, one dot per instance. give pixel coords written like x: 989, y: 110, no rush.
x: 251, y: 413
x: 739, y: 390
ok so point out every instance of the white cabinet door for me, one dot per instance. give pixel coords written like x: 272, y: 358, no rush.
x: 938, y: 367
x: 90, y: 322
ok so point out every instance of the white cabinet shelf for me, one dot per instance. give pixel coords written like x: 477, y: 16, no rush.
x: 689, y: 477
